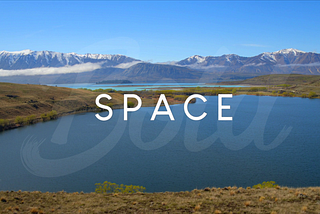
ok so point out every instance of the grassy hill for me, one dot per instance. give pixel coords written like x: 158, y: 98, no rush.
x: 32, y: 102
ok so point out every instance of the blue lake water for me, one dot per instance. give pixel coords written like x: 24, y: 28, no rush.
x: 269, y: 138
x: 138, y: 86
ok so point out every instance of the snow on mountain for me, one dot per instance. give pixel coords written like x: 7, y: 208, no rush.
x: 200, y: 62
x: 288, y: 51
x: 26, y: 59
x: 274, y: 57
x: 28, y: 62
x: 268, y: 57
x: 281, y: 57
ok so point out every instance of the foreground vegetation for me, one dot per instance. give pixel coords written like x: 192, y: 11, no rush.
x: 208, y: 200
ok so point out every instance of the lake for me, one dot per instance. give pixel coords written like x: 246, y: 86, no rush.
x: 138, y: 86
x: 270, y: 138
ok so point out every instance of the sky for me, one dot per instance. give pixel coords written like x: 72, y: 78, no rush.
x: 160, y: 31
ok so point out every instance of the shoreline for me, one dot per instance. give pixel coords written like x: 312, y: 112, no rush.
x: 234, y: 199
x: 120, y: 106
x: 31, y: 102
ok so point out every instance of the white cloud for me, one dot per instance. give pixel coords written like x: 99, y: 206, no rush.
x: 254, y: 64
x: 52, y: 70
x: 168, y: 63
x: 200, y: 66
x: 302, y: 65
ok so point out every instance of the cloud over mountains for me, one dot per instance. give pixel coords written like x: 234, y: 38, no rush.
x: 98, y: 67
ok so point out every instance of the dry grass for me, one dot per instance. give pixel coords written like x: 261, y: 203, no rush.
x: 270, y: 200
x: 24, y: 100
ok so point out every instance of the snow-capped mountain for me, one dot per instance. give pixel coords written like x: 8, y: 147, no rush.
x: 278, y: 58
x: 35, y: 59
x: 45, y: 67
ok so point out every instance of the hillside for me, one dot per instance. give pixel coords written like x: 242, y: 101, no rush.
x: 26, y: 100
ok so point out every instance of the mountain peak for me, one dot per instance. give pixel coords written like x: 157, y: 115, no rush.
x: 34, y: 59
x: 288, y: 50
x: 198, y: 58
x: 24, y: 52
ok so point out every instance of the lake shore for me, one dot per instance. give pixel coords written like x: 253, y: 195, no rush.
x: 208, y: 200
x: 33, y: 102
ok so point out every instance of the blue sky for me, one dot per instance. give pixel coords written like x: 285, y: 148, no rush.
x: 160, y: 31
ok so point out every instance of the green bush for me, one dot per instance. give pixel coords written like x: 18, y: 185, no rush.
x: 284, y: 85
x: 312, y: 95
x: 30, y: 119
x: 49, y: 116
x: 266, y: 184
x: 19, y: 120
x: 3, y: 124
x: 52, y: 114
x: 44, y: 117
x: 108, y: 187
x: 130, y: 104
x: 291, y: 94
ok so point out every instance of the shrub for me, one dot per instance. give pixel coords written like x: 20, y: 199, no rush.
x: 49, y: 116
x: 108, y: 187
x: 234, y: 91
x: 3, y: 124
x: 30, y: 119
x: 312, y: 95
x: 303, y: 95
x: 266, y: 184
x: 130, y: 104
x: 18, y: 120
x: 52, y: 114
x: 44, y: 117
x: 291, y: 94
x: 284, y: 85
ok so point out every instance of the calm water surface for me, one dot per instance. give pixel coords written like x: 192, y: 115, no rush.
x: 269, y: 139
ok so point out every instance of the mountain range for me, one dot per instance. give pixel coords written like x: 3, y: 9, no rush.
x: 46, y: 67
